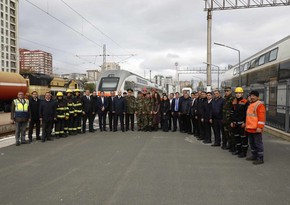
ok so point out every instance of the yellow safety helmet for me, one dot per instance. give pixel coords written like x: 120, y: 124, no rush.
x: 239, y: 90
x: 68, y: 91
x: 59, y: 94
x: 77, y: 90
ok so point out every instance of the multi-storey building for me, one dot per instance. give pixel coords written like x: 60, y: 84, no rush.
x: 9, y: 33
x: 36, y: 61
x: 111, y: 66
x: 93, y: 75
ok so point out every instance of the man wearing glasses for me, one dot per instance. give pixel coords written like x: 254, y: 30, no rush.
x: 20, y: 115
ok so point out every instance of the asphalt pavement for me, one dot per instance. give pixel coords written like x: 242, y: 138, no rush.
x: 136, y: 168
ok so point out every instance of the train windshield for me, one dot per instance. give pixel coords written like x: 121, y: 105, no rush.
x: 109, y: 84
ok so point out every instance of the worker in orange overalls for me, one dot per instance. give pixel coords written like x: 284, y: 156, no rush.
x: 255, y: 122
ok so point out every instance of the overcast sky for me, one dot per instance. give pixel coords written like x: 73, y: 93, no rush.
x: 159, y: 33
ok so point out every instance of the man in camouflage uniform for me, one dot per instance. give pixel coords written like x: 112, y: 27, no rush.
x: 139, y: 111
x: 130, y: 109
x: 148, y: 108
x: 78, y: 110
x: 227, y: 109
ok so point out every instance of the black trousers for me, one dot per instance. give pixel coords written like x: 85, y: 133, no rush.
x: 121, y: 116
x: 69, y: 124
x: 175, y: 119
x: 165, y: 122
x: 102, y: 120
x: 194, y: 125
x: 201, y: 128
x: 111, y: 120
x: 129, y: 118
x: 78, y: 122
x: 186, y: 125
x: 207, y: 131
x: 170, y: 121
x: 46, y: 129
x: 218, y: 130
x: 59, y: 126
x: 31, y: 126
x: 88, y: 116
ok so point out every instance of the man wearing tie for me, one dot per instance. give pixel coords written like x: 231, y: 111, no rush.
x: 102, y: 105
x: 110, y: 109
x: 119, y: 110
x: 88, y: 111
x: 175, y: 111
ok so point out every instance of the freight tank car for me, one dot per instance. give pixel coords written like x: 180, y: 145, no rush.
x: 10, y: 85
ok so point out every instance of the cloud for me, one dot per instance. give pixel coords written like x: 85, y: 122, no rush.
x: 159, y: 32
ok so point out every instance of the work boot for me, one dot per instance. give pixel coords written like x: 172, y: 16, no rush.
x: 242, y: 155
x: 251, y: 158
x: 259, y: 161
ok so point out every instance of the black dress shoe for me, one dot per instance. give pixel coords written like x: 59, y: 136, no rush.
x: 49, y: 139
x: 91, y: 131
x: 173, y: 130
x: 23, y: 142
x: 17, y: 143
x: 105, y: 130
x: 215, y: 145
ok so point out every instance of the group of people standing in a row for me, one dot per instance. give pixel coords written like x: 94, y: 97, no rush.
x: 234, y: 119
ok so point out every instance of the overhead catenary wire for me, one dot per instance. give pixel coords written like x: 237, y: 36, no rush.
x: 94, y: 26
x: 63, y: 23
x: 56, y: 49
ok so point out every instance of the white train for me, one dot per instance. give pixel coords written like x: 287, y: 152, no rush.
x: 268, y: 72
x: 114, y: 80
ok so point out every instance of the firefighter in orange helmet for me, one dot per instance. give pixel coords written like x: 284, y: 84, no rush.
x: 255, y: 122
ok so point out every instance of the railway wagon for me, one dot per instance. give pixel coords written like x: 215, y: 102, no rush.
x: 114, y: 80
x: 10, y: 85
x: 267, y: 71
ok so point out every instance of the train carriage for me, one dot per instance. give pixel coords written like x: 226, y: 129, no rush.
x: 114, y: 80
x: 268, y: 71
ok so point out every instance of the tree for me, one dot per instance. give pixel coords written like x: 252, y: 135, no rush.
x: 200, y: 86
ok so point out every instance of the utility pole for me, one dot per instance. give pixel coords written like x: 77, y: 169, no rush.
x: 208, y: 70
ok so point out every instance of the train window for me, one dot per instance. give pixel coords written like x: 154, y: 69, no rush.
x: 247, y: 66
x: 253, y: 63
x: 109, y: 84
x: 273, y: 55
x: 262, y: 60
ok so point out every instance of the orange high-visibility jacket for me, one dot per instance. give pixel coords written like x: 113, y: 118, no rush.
x: 256, y: 116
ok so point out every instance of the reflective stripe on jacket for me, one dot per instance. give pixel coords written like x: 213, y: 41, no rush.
x: 21, y: 109
x: 255, y: 116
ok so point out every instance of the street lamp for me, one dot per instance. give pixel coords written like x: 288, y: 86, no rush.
x: 240, y: 79
x: 218, y: 80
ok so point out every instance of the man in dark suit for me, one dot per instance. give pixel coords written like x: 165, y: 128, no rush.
x: 110, y: 110
x: 88, y: 111
x: 119, y: 110
x: 175, y: 110
x: 94, y: 98
x: 102, y: 105
x: 34, y: 103
x: 207, y: 118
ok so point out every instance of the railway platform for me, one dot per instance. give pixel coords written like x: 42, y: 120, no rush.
x: 141, y: 168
